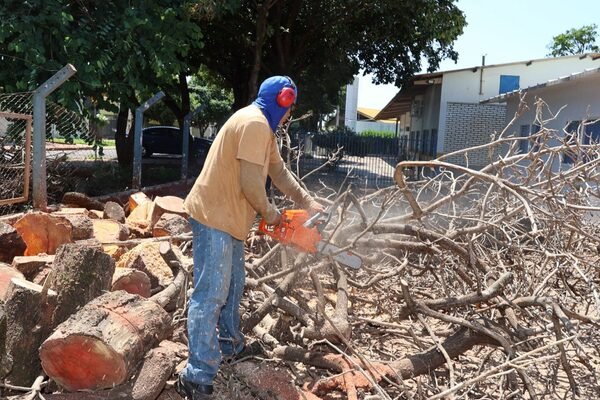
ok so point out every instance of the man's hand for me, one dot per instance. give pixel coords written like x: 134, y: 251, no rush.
x: 313, y: 207
x: 272, y: 216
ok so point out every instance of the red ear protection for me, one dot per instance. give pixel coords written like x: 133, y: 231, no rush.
x: 286, y: 97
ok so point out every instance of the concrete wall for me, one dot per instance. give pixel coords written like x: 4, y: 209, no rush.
x: 351, y: 105
x: 463, y: 86
x: 469, y: 125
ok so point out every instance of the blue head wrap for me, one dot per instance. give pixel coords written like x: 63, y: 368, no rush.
x: 267, y: 99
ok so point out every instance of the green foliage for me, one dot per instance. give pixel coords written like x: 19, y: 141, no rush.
x: 379, y: 134
x: 214, y: 100
x: 322, y: 44
x: 575, y: 41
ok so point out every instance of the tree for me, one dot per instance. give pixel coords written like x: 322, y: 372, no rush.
x: 322, y: 44
x: 574, y: 41
x: 123, y: 51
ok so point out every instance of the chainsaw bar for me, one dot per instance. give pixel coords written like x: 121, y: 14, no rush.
x: 346, y: 258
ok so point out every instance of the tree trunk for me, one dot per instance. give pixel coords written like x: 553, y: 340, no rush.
x: 81, y: 273
x: 146, y: 257
x: 124, y: 145
x: 81, y: 224
x: 100, y: 346
x: 29, y: 313
x: 166, y: 204
x: 30, y: 266
x: 106, y: 230
x: 114, y: 211
x: 5, y: 362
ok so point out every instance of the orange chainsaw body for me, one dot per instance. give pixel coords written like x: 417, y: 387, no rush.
x: 292, y: 231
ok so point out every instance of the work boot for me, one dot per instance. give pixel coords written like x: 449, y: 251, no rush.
x: 193, y: 391
x: 254, y: 349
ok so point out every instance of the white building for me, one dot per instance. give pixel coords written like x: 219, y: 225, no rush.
x: 442, y: 112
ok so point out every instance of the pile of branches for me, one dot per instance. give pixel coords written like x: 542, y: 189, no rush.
x: 477, y: 283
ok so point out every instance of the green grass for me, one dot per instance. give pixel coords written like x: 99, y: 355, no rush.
x: 105, y: 142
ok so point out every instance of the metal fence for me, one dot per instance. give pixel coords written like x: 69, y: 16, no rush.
x: 15, y: 159
x: 365, y: 162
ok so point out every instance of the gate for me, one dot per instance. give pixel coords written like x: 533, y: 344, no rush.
x: 15, y: 158
x: 363, y: 161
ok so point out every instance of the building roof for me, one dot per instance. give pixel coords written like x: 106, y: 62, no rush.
x: 501, y: 98
x: 371, y: 113
x: 401, y: 102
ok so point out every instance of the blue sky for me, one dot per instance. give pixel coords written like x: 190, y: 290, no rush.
x: 503, y: 30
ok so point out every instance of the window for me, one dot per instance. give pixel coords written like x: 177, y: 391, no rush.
x: 508, y: 83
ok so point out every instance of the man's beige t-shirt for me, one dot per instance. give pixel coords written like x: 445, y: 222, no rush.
x: 216, y: 199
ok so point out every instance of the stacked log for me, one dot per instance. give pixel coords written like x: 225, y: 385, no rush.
x: 80, y: 274
x: 43, y: 233
x: 11, y: 243
x: 29, y: 309
x: 100, y: 346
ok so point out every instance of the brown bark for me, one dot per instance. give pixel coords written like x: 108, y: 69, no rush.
x: 81, y: 273
x: 43, y: 233
x: 29, y: 311
x: 171, y: 225
x: 82, y: 226
x: 81, y: 200
x: 132, y: 281
x: 114, y: 211
x: 5, y: 361
x: 11, y: 243
x: 100, y: 346
x: 6, y: 274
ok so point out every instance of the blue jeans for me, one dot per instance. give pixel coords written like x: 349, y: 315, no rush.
x: 213, y: 315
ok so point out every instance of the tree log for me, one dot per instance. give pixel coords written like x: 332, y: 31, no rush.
x: 167, y: 298
x: 81, y: 224
x: 157, y: 367
x: 80, y: 274
x: 166, y: 204
x: 43, y: 233
x: 106, y: 230
x: 146, y: 257
x: 171, y: 225
x: 114, y: 211
x: 417, y: 364
x: 81, y: 200
x: 5, y: 361
x: 30, y: 266
x: 6, y: 274
x: 11, y: 243
x: 132, y: 281
x: 29, y: 310
x: 100, y: 346
x: 137, y: 199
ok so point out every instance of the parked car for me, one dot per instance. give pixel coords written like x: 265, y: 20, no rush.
x: 168, y: 140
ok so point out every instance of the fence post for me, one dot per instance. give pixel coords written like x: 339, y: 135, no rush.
x: 185, y: 151
x: 137, y: 138
x: 39, y: 189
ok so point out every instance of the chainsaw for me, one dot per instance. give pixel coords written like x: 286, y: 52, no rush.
x: 303, y: 232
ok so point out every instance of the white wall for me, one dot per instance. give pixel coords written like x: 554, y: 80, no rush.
x: 351, y: 105
x: 463, y: 85
x: 580, y: 98
x: 362, y: 126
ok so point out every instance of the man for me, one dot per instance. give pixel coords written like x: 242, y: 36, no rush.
x: 222, y: 205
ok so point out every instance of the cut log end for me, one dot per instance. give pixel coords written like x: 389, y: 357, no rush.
x: 81, y: 362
